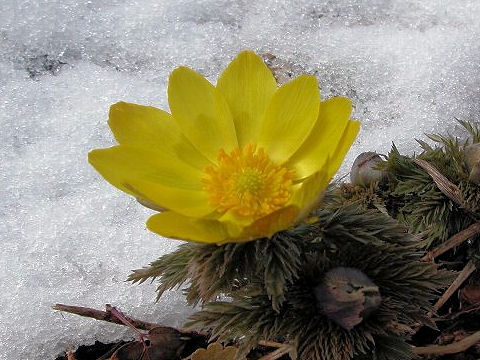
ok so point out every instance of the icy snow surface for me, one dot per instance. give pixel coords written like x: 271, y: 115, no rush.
x: 67, y: 236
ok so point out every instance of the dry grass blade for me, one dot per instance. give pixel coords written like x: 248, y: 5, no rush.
x: 270, y: 344
x: 453, y: 348
x: 454, y: 241
x: 277, y: 353
x: 445, y: 186
x: 103, y: 315
x: 139, y: 324
x: 464, y: 274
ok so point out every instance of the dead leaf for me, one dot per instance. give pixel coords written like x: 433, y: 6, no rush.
x: 215, y: 351
x: 70, y: 355
x: 471, y: 293
x: 453, y: 337
x: 164, y: 344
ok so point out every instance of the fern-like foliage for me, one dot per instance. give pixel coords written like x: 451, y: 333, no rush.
x: 171, y: 269
x: 282, y: 259
x: 409, y: 194
x: 389, y: 348
x: 369, y: 241
x: 213, y: 270
x: 473, y: 130
x: 340, y: 223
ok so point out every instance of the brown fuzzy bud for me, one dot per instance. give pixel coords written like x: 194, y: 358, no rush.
x: 162, y: 343
x: 347, y: 296
x: 472, y: 158
x: 364, y: 169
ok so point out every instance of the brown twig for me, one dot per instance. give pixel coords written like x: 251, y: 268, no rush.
x: 285, y: 349
x: 452, y: 316
x: 139, y: 324
x: 104, y: 316
x: 455, y: 240
x: 444, y: 185
x: 453, y: 348
x: 272, y: 344
x: 464, y: 274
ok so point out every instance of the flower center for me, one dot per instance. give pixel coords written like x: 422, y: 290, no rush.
x: 248, y: 183
x: 249, y: 180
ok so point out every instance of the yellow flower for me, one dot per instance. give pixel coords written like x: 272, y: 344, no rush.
x: 231, y: 163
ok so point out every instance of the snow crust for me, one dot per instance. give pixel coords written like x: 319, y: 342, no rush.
x: 410, y: 67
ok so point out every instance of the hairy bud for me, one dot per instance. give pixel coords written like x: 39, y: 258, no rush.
x: 162, y: 343
x: 364, y: 169
x: 347, y: 296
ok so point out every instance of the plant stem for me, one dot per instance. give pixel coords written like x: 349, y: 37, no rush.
x: 270, y: 344
x: 104, y: 316
x: 453, y: 348
x: 444, y: 185
x: 277, y: 353
x: 464, y: 274
x: 455, y: 240
x: 139, y: 324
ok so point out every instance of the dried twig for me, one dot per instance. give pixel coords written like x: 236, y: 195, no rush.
x: 285, y: 349
x: 453, y: 348
x: 105, y: 316
x: 464, y: 274
x: 452, y: 316
x: 139, y: 324
x: 444, y: 185
x: 455, y: 240
x: 272, y: 344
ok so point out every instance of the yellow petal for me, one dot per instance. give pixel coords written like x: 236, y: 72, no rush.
x: 323, y: 141
x: 121, y: 164
x: 234, y: 223
x: 154, y: 178
x: 146, y: 126
x: 343, y: 146
x: 271, y: 224
x: 149, y: 127
x: 183, y: 201
x: 310, y: 192
x: 201, y: 112
x: 290, y: 117
x: 248, y: 85
x: 176, y: 226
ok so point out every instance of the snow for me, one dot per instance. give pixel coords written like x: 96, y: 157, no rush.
x: 410, y: 68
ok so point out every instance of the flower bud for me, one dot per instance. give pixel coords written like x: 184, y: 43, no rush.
x: 365, y: 169
x: 472, y: 158
x: 347, y: 296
